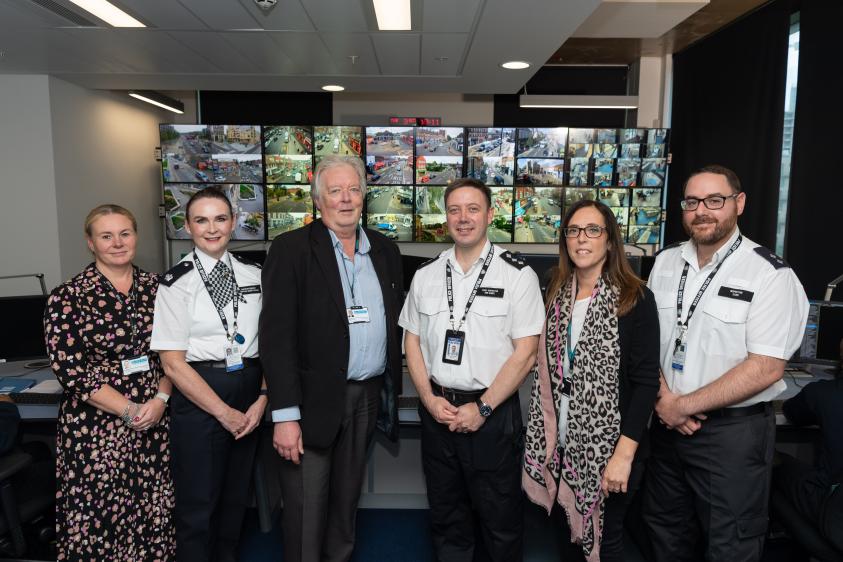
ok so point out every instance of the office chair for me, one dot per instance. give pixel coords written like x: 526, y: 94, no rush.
x: 815, y: 541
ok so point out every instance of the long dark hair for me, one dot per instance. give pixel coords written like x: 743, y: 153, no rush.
x: 616, y: 269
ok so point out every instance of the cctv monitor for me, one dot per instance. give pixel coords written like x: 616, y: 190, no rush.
x: 23, y: 338
x: 823, y: 332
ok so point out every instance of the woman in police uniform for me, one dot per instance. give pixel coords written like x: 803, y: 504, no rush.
x: 205, y: 330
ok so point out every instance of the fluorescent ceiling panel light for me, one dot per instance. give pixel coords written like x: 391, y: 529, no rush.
x: 159, y: 100
x: 515, y: 65
x: 333, y: 88
x: 108, y: 12
x: 393, y: 15
x: 578, y: 102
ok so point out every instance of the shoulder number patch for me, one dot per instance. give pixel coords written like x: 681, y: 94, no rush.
x: 176, y: 272
x: 771, y: 257
x: 514, y: 259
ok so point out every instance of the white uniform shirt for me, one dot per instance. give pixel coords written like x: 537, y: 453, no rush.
x: 185, y: 316
x: 492, y: 322
x: 751, y: 306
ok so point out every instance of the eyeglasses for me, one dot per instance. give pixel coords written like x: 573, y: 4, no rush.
x: 712, y: 202
x: 591, y: 231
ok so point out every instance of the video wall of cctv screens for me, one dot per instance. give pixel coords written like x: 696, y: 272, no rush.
x: 535, y: 174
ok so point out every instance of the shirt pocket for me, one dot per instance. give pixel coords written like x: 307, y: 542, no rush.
x: 492, y: 321
x: 433, y: 317
x: 666, y: 305
x: 725, y: 331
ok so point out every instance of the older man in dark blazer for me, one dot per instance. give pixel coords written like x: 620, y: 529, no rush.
x: 331, y: 353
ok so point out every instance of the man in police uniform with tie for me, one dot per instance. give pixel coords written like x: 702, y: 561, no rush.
x: 731, y: 314
x: 472, y: 321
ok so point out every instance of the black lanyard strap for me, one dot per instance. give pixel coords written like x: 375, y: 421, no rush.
x: 450, y: 283
x: 680, y: 295
x: 353, y: 277
x: 220, y: 310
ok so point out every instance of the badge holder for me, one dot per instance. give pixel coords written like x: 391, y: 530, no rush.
x: 677, y: 363
x: 357, y: 314
x: 139, y: 364
x: 233, y: 357
x: 454, y: 344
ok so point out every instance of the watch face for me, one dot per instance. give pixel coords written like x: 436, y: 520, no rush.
x: 485, y: 410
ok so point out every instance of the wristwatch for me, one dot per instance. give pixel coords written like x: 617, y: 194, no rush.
x: 485, y: 409
x: 163, y: 396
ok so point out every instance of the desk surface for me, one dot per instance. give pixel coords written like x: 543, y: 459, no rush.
x: 31, y: 412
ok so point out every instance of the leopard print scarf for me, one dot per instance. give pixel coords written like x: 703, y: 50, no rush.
x: 572, y: 475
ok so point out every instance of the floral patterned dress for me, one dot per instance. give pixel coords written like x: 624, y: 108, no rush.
x: 114, y: 497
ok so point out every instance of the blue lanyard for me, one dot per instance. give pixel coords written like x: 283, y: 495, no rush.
x: 572, y: 352
x: 345, y: 267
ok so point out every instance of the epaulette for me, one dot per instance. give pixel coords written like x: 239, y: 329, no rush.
x: 246, y: 261
x: 771, y: 257
x: 669, y: 246
x: 514, y: 260
x: 176, y: 272
x: 428, y: 262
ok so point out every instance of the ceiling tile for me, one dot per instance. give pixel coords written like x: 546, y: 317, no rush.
x: 221, y: 15
x: 164, y: 15
x: 343, y: 45
x: 330, y: 15
x: 398, y: 53
x: 308, y: 50
x: 262, y: 51
x: 214, y: 47
x: 450, y: 45
x: 287, y: 15
x: 449, y: 15
x: 28, y: 15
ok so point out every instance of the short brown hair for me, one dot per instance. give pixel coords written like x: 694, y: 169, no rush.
x: 731, y: 177
x: 469, y: 182
x: 108, y: 209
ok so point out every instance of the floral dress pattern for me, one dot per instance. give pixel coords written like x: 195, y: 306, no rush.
x: 114, y: 497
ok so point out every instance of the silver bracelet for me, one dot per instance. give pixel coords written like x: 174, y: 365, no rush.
x: 128, y: 420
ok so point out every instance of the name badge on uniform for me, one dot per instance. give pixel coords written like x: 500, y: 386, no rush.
x: 678, y: 361
x: 233, y: 357
x: 139, y: 364
x: 454, y: 343
x: 357, y: 314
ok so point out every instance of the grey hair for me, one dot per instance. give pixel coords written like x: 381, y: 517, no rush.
x: 333, y: 161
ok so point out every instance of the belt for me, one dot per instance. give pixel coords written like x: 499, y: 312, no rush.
x: 247, y: 362
x: 455, y: 396
x: 743, y: 411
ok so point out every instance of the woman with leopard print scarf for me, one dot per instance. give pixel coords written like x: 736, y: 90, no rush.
x: 594, y: 386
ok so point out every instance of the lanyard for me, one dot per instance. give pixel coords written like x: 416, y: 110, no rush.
x: 683, y: 327
x: 572, y: 352
x: 220, y: 310
x: 473, y: 294
x: 131, y: 302
x: 345, y: 267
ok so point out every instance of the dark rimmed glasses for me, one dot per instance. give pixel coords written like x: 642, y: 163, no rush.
x: 591, y: 231
x: 712, y: 202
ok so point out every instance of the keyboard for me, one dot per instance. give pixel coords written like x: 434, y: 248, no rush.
x: 36, y: 398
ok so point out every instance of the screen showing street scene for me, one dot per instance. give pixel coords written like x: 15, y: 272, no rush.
x: 613, y: 197
x: 389, y: 141
x: 501, y: 228
x: 491, y: 170
x: 579, y: 172
x: 622, y: 216
x: 438, y: 170
x: 605, y: 151
x: 655, y: 150
x: 430, y: 215
x: 572, y: 195
x: 580, y: 150
x: 633, y: 136
x: 389, y: 210
x: 604, y: 169
x: 653, y: 171
x: 288, y: 207
x: 289, y: 169
x: 657, y: 136
x: 185, y: 150
x: 643, y: 216
x: 538, y: 143
x: 536, y: 171
x: 389, y: 170
x: 344, y: 141
x: 247, y: 201
x: 628, y: 171
x: 537, y: 214
x: 644, y: 197
x: 491, y: 141
x: 607, y: 136
x: 439, y: 141
x: 229, y: 168
x: 287, y: 140
x: 630, y: 151
x: 643, y: 234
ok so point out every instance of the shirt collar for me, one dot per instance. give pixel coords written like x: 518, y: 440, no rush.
x: 452, y: 258
x: 208, y: 262
x: 362, y: 248
x: 689, y: 251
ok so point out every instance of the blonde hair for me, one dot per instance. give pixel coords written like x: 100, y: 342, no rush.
x: 108, y: 209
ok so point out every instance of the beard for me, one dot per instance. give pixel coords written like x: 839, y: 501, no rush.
x: 722, y: 229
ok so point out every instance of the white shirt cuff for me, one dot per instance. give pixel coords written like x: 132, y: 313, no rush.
x: 286, y: 414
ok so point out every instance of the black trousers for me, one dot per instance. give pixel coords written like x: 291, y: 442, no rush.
x: 212, y: 472
x: 616, y: 506
x: 713, y: 485
x: 321, y: 494
x: 474, y: 486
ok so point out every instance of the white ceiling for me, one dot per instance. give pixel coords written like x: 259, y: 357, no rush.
x: 299, y: 45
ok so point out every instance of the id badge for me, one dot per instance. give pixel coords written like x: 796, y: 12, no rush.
x: 139, y: 364
x: 678, y: 361
x: 454, y: 343
x: 233, y: 357
x: 357, y: 314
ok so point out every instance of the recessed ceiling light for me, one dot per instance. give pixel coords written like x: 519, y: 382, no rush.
x: 333, y: 88
x: 159, y: 100
x: 515, y: 65
x: 108, y: 12
x: 393, y: 15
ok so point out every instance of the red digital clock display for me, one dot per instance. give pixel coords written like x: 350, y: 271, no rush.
x: 417, y: 121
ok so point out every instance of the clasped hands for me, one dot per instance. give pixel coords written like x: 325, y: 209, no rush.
x: 670, y: 410
x: 241, y: 424
x: 462, y: 419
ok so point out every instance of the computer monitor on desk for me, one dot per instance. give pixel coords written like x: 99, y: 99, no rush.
x: 22, y: 328
x: 821, y: 343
